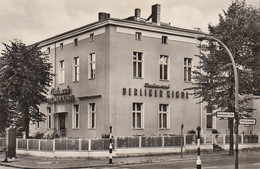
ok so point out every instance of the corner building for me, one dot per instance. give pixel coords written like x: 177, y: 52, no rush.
x: 126, y: 73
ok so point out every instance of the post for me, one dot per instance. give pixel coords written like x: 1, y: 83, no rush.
x: 198, y: 143
x: 110, y: 146
x: 181, y: 140
x: 201, y: 38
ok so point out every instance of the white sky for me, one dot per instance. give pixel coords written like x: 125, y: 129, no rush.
x: 35, y: 20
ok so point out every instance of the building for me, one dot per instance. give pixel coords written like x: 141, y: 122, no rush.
x: 126, y: 73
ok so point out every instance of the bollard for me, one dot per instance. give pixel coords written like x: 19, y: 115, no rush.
x: 181, y: 140
x: 110, y: 146
x: 198, y: 143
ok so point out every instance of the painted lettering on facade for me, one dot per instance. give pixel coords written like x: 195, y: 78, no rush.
x: 61, y: 95
x: 155, y: 93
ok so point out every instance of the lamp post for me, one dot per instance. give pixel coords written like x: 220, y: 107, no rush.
x: 201, y: 38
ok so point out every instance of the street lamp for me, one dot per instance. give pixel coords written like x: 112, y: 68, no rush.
x: 201, y: 38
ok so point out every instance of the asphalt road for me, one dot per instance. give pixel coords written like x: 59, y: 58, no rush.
x: 247, y: 162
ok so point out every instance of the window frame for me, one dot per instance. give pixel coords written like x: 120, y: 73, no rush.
x: 138, y: 35
x: 49, y: 115
x: 62, y: 72
x: 136, y: 69
x: 161, y: 124
x: 162, y: 74
x: 92, y: 124
x: 76, y: 42
x: 76, y: 69
x: 164, y: 39
x: 187, y: 70
x: 61, y: 46
x: 134, y: 118
x: 76, y: 116
x: 91, y: 37
x: 91, y: 64
x: 209, y: 114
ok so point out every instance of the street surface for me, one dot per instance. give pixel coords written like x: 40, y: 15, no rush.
x: 252, y: 162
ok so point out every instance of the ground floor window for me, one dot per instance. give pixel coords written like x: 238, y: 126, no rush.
x: 137, y: 115
x: 49, y: 117
x: 76, y: 116
x: 163, y: 116
x: 209, y: 117
x: 92, y: 115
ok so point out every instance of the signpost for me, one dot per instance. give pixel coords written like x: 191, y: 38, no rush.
x: 225, y: 114
x: 247, y: 121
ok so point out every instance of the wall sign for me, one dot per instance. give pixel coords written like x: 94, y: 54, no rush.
x: 61, y: 95
x: 155, y: 93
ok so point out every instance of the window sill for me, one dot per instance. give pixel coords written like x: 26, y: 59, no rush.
x: 187, y: 81
x: 91, y: 79
x: 164, y: 129
x: 163, y: 80
x: 91, y: 128
x: 61, y: 83
x: 138, y: 39
x: 137, y: 128
x: 92, y: 40
x: 138, y: 78
x: 75, y: 128
x: 75, y: 81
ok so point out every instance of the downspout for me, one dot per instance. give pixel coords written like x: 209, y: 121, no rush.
x: 54, y: 86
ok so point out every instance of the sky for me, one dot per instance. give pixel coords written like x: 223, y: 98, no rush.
x: 34, y: 20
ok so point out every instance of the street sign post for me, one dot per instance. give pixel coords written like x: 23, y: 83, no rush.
x: 250, y: 121
x: 225, y: 114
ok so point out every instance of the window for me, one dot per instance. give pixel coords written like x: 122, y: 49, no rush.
x: 48, y: 50
x: 209, y: 117
x: 92, y: 66
x: 91, y: 36
x: 137, y: 115
x: 76, y: 69
x: 76, y: 42
x: 75, y: 116
x: 164, y: 39
x: 62, y: 72
x: 163, y: 67
x: 49, y: 116
x: 137, y: 64
x: 187, y: 69
x: 138, y: 35
x: 61, y: 46
x: 92, y: 115
x: 163, y: 116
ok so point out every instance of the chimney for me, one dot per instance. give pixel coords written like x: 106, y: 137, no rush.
x: 137, y: 13
x: 103, y: 16
x: 156, y: 13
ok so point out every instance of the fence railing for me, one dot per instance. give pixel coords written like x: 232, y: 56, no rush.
x: 102, y: 144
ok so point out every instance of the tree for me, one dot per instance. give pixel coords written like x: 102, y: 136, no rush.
x: 25, y: 76
x: 5, y: 114
x: 214, y: 78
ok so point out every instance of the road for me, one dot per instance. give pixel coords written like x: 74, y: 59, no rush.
x: 252, y: 162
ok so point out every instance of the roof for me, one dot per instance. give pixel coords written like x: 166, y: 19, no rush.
x: 143, y: 25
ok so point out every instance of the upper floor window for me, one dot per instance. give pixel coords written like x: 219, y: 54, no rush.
x: 75, y: 116
x: 164, y: 39
x: 92, y: 37
x: 62, y: 72
x: 137, y: 115
x: 49, y: 116
x: 163, y: 116
x: 48, y: 50
x: 76, y: 69
x: 92, y: 66
x: 137, y: 64
x: 92, y: 115
x: 61, y: 46
x: 76, y: 42
x: 164, y: 67
x: 187, y: 69
x: 138, y: 35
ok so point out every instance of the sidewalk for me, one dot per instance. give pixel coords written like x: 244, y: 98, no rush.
x: 31, y: 162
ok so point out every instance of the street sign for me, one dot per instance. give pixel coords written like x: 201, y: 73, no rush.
x: 247, y: 121
x: 225, y: 114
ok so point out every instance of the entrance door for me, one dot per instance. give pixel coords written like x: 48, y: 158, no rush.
x: 62, y: 121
